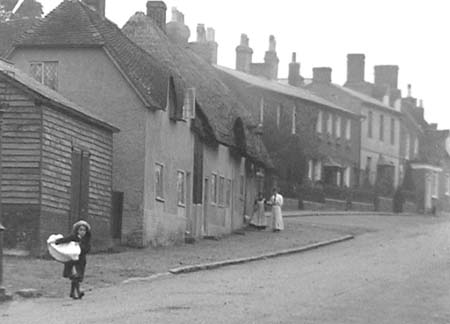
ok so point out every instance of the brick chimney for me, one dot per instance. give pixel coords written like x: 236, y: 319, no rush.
x: 176, y: 30
x: 386, y: 75
x: 271, y: 59
x: 355, y: 68
x: 206, y: 45
x: 294, y: 78
x: 244, y: 55
x: 98, y: 5
x: 157, y: 11
x: 322, y: 75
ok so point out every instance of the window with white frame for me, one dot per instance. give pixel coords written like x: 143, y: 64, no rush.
x: 261, y: 111
x: 222, y: 191
x: 278, y: 115
x: 294, y: 119
x: 181, y: 188
x: 318, y: 170
x: 392, y: 131
x: 348, y: 129
x: 447, y: 184
x: 159, y: 181
x: 338, y: 126
x: 435, y: 184
x: 347, y: 172
x: 381, y: 128
x: 319, y: 122
x: 329, y: 124
x: 407, y: 146
x: 45, y: 73
x: 214, y: 188
x: 416, y: 147
x: 310, y: 169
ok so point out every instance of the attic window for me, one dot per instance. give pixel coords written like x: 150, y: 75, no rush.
x: 189, y: 104
x: 172, y: 104
x: 45, y: 73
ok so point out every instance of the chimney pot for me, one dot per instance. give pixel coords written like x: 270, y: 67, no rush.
x: 409, y: 90
x: 201, y: 33
x: 272, y: 43
x: 98, y: 5
x: 244, y: 55
x: 355, y: 68
x: 294, y: 78
x: 322, y: 74
x: 157, y: 11
x: 294, y: 57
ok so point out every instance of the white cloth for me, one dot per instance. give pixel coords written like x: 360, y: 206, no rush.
x: 259, y: 217
x: 277, y: 218
x: 63, y: 252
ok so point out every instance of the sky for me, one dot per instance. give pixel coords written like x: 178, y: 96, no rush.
x: 413, y: 34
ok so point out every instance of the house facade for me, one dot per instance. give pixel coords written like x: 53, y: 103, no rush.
x: 56, y: 162
x: 380, y: 128
x: 309, y: 139
x: 174, y: 141
x: 230, y: 158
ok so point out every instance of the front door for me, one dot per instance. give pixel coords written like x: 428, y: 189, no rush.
x: 80, y: 186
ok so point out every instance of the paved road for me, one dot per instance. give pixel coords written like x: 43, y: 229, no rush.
x: 398, y: 272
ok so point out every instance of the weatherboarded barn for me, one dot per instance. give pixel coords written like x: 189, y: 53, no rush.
x: 56, y: 164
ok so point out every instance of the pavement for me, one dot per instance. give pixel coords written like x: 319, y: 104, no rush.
x: 42, y: 277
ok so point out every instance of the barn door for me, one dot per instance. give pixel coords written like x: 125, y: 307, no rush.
x: 117, y: 209
x: 80, y: 185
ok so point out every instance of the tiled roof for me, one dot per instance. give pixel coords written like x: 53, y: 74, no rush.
x: 74, y: 24
x: 218, y: 104
x: 9, y: 72
x: 10, y: 32
x: 279, y: 87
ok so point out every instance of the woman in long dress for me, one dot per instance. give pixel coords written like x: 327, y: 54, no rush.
x: 259, y: 218
x: 276, y: 201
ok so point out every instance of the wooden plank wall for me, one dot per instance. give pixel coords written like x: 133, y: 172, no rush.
x: 20, y: 156
x: 61, y: 133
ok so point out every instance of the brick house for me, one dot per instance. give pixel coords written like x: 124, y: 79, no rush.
x: 164, y: 124
x: 380, y: 125
x: 307, y: 136
x: 230, y: 159
x: 56, y: 164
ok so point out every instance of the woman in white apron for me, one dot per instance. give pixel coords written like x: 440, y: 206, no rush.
x: 276, y: 201
x: 259, y: 218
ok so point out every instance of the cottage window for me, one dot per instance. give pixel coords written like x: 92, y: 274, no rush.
x: 214, y: 188
x: 294, y: 119
x: 369, y: 124
x: 348, y: 129
x: 228, y: 193
x: 338, y: 126
x: 381, y: 128
x: 310, y: 169
x: 392, y: 131
x: 261, y: 111
x: 330, y: 124
x: 319, y: 122
x: 221, y: 191
x: 45, y: 73
x: 447, y: 184
x: 189, y: 104
x: 159, y: 181
x: 318, y: 170
x: 347, y: 172
x: 181, y: 188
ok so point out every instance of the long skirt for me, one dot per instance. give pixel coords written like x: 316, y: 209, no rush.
x: 277, y: 218
x: 259, y: 218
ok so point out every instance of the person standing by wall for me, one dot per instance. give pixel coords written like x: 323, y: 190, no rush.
x: 276, y: 201
x: 259, y: 218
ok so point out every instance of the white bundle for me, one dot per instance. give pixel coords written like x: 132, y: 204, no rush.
x: 63, y: 252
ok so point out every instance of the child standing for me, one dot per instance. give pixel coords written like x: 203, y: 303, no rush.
x: 74, y: 270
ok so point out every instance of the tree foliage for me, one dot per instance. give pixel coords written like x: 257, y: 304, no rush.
x: 28, y: 9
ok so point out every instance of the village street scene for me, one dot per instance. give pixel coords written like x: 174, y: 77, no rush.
x: 144, y: 181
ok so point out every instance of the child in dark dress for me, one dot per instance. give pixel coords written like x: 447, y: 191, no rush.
x: 74, y: 270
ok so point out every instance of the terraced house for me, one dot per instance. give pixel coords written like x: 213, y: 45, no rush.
x: 310, y: 139
x: 169, y: 128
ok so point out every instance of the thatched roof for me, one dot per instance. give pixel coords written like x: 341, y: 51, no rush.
x: 218, y: 103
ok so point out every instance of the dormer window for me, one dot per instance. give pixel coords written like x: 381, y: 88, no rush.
x: 189, y: 104
x: 45, y: 73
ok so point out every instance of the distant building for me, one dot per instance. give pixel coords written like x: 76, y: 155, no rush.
x: 309, y: 139
x: 380, y: 124
x: 56, y: 164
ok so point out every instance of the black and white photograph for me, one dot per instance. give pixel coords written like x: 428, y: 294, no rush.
x: 193, y: 161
